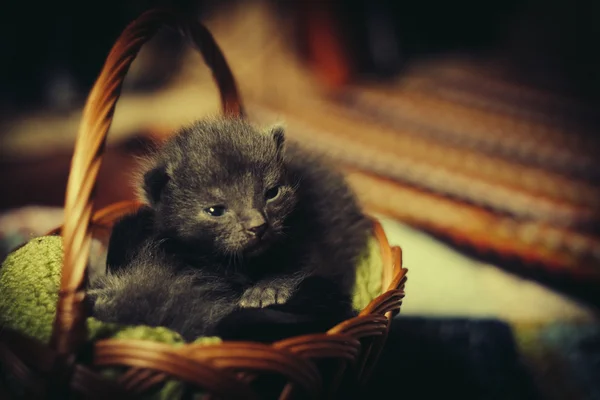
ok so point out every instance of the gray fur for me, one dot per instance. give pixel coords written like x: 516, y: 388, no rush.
x: 314, y: 227
x: 152, y: 291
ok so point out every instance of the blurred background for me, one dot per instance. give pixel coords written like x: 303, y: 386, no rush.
x: 468, y: 127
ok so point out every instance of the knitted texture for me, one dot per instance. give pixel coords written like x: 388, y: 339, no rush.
x: 29, y: 283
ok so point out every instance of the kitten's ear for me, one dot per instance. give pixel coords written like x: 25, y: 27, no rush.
x: 278, y: 134
x: 155, y: 181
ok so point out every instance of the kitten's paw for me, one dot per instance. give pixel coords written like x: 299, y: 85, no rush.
x: 263, y: 296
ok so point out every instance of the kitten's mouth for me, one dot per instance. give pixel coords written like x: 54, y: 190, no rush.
x: 256, y: 247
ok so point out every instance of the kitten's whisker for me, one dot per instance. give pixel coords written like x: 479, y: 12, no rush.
x: 236, y: 256
x: 230, y: 260
x: 296, y: 185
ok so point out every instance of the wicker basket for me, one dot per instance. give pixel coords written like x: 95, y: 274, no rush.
x: 69, y: 365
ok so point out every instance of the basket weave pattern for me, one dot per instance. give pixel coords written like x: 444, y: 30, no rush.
x: 224, y: 370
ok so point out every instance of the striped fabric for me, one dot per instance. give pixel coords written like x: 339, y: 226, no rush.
x: 494, y: 166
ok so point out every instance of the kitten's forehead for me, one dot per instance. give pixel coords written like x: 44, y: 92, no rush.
x: 222, y: 152
x: 225, y: 138
x: 243, y: 184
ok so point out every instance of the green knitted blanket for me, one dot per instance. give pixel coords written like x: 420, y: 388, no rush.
x: 29, y: 283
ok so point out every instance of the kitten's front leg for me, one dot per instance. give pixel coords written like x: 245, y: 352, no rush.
x: 268, y: 292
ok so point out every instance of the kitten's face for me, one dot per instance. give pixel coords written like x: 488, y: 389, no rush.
x: 232, y: 195
x: 245, y: 215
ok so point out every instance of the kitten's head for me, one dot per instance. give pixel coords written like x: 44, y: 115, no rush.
x: 222, y: 183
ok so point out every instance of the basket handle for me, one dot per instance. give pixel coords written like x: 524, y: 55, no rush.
x: 69, y: 329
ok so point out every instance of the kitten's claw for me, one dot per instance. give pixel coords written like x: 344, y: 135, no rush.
x: 260, y: 297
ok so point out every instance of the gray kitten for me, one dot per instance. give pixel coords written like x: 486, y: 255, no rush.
x: 239, y: 218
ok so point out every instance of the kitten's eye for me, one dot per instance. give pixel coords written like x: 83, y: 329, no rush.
x: 272, y: 193
x: 215, y: 211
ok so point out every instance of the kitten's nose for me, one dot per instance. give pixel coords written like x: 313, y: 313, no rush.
x: 256, y: 224
x: 258, y: 230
